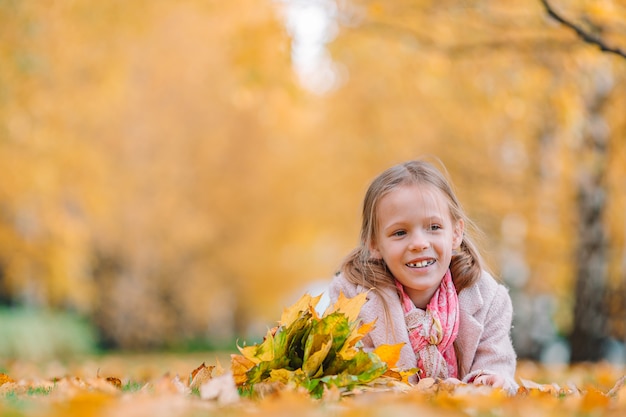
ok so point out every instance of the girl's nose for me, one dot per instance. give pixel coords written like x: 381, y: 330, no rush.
x: 418, y: 242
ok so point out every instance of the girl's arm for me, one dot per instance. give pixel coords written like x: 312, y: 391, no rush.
x: 495, y: 360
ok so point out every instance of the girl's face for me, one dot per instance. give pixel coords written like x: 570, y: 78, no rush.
x: 415, y: 237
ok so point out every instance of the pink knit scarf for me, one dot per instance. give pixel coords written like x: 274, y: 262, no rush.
x: 433, y: 331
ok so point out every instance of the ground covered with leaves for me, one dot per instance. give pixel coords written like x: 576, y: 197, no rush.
x: 309, y: 364
x: 590, y: 390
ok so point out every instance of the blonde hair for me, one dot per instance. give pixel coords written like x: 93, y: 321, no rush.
x: 360, y: 268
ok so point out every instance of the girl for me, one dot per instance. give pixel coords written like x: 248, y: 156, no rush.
x: 425, y: 282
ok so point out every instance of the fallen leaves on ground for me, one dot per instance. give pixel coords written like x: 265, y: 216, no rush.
x: 313, y: 365
x: 213, y: 388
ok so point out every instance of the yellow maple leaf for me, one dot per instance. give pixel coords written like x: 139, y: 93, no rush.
x: 291, y: 314
x: 265, y: 351
x: 351, y: 307
x: 389, y: 353
x: 367, y: 327
x: 239, y: 365
x: 280, y: 375
x: 249, y: 352
x: 348, y: 351
x: 262, y: 352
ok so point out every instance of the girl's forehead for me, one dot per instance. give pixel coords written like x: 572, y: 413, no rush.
x: 417, y: 197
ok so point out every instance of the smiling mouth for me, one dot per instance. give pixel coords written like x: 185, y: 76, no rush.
x: 421, y: 264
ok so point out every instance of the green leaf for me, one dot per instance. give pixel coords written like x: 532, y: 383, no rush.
x: 315, y: 387
x: 312, y: 365
x: 367, y: 366
x: 336, y: 327
x: 294, y: 336
x: 262, y: 371
x: 341, y: 380
x: 336, y: 324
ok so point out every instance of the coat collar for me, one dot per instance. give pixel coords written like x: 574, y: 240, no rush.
x: 470, y: 329
x: 471, y: 300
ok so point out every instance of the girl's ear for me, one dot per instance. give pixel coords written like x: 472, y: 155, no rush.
x: 374, y: 252
x: 457, y: 236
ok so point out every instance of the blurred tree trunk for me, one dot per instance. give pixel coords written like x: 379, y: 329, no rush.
x: 591, y: 312
x: 5, y: 293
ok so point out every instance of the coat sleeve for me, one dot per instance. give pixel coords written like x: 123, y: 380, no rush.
x: 495, y: 353
x: 340, y: 285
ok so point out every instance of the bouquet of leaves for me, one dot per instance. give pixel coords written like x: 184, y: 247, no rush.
x: 316, y: 353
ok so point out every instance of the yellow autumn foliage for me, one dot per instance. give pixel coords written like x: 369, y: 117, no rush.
x: 166, y: 176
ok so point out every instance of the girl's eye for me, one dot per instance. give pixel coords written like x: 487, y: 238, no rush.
x: 399, y: 233
x: 434, y: 227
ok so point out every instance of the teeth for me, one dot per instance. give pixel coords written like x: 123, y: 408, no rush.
x: 421, y: 264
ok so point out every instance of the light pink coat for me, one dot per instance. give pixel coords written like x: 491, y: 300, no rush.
x: 484, y: 329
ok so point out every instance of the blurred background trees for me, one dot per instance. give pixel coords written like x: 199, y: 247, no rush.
x: 181, y: 171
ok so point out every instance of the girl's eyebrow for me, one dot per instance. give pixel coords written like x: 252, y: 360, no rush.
x: 393, y: 225
x: 435, y: 218
x: 402, y: 223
